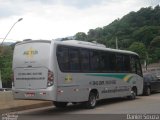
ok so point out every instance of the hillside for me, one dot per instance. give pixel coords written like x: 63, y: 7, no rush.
x: 137, y: 31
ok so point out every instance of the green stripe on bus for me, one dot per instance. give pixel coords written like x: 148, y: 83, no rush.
x: 125, y: 77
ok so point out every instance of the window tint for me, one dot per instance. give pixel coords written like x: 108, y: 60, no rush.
x: 74, y: 59
x: 84, y: 59
x: 126, y: 63
x: 150, y: 77
x: 94, y: 61
x: 104, y: 62
x: 139, y: 72
x: 133, y: 64
x: 122, y: 63
x: 138, y: 66
x: 119, y: 63
x: 154, y: 77
x: 112, y: 62
x: 63, y: 59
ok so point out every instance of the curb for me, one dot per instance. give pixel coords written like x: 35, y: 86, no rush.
x: 25, y: 107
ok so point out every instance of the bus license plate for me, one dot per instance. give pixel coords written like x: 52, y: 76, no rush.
x: 29, y: 94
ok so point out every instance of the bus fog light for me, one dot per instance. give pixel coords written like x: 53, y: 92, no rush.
x: 76, y: 90
x: 60, y: 91
x: 50, y: 83
x: 42, y: 93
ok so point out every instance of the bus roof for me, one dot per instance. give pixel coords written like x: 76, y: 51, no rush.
x: 33, y: 41
x: 91, y: 45
x: 78, y: 43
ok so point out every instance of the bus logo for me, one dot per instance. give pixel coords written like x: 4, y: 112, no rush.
x: 68, y: 78
x: 30, y: 53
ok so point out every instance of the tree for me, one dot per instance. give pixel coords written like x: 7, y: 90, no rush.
x: 6, y: 65
x: 139, y: 48
x: 154, y: 53
x: 155, y: 42
x: 146, y: 34
x: 81, y: 36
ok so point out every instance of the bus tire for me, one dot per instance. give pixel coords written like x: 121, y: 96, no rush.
x: 133, y: 94
x: 92, y: 100
x: 60, y: 104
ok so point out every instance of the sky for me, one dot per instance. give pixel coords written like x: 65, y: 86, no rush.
x: 51, y: 19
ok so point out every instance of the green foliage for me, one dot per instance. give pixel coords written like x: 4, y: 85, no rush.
x: 81, y: 36
x: 155, y: 50
x: 6, y: 65
x: 155, y: 43
x: 142, y: 26
x: 139, y: 48
x: 146, y: 34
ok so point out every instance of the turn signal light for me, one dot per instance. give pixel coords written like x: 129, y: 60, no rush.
x: 50, y: 78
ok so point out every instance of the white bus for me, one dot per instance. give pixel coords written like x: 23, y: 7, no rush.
x: 74, y: 72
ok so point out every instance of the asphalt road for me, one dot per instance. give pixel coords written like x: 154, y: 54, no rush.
x: 111, y: 109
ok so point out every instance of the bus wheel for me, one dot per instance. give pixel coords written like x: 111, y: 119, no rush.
x: 92, y: 100
x: 133, y: 94
x: 60, y: 104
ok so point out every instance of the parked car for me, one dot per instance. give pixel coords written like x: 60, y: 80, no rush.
x: 151, y: 83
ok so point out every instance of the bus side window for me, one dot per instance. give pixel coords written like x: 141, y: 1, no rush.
x: 84, y: 59
x: 133, y: 64
x: 62, y: 57
x: 138, y: 67
x: 104, y: 62
x: 94, y: 61
x: 74, y: 59
x: 126, y: 63
x: 112, y: 62
x: 119, y: 63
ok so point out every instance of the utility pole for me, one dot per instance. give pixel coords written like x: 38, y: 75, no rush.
x: 116, y: 43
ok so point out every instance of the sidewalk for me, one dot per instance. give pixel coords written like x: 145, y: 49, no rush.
x: 8, y: 104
